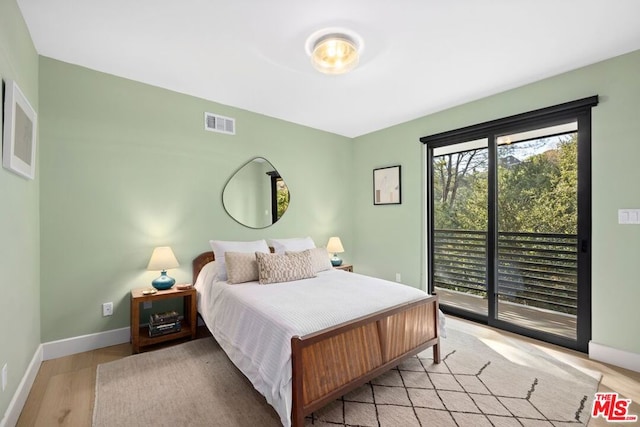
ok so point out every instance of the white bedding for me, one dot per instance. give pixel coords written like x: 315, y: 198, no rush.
x: 254, y: 323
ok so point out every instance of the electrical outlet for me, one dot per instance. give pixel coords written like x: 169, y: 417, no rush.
x: 398, y: 278
x: 4, y: 377
x: 107, y: 309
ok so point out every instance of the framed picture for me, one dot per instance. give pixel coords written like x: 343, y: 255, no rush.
x: 386, y: 186
x: 19, y: 139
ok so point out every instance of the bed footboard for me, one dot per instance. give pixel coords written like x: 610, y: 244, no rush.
x: 329, y: 363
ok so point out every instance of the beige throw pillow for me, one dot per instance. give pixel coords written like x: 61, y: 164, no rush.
x: 319, y: 259
x: 219, y: 247
x: 276, y: 268
x: 241, y: 267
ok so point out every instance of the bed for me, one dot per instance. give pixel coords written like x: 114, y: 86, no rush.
x: 301, y: 365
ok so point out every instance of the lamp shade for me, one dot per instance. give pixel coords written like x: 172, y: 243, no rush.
x: 335, y: 245
x: 162, y: 258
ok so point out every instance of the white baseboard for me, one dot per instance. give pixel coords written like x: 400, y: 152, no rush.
x: 69, y: 346
x: 622, y: 358
x: 53, y: 350
x: 12, y: 414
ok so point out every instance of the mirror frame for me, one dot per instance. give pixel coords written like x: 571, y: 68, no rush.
x: 274, y: 179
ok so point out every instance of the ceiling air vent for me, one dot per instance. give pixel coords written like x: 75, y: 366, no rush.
x: 218, y: 123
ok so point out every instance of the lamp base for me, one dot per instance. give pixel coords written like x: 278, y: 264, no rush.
x: 163, y: 282
x: 335, y: 261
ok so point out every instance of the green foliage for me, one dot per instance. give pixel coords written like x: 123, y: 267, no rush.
x: 282, y: 199
x: 455, y: 177
x: 537, y: 194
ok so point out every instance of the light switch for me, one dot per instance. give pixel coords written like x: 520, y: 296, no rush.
x: 628, y: 216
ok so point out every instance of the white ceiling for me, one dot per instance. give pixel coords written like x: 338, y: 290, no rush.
x: 419, y: 57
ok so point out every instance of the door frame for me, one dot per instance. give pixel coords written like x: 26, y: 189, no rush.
x: 579, y: 110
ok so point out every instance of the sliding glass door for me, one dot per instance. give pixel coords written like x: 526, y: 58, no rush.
x: 508, y: 223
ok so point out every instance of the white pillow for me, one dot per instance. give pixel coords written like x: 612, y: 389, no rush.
x: 219, y: 247
x: 295, y: 244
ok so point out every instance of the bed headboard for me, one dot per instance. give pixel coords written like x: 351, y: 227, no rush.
x: 199, y: 262
x: 203, y: 259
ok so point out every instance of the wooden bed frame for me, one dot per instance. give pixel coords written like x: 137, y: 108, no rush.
x: 329, y: 363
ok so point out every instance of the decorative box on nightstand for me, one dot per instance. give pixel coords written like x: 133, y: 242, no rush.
x: 140, y: 334
x: 345, y: 267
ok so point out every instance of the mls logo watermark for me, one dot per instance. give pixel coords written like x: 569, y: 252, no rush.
x: 612, y: 408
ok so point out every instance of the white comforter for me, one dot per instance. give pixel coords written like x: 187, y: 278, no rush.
x: 254, y: 323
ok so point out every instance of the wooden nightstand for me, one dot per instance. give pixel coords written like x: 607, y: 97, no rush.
x: 140, y: 334
x: 345, y: 267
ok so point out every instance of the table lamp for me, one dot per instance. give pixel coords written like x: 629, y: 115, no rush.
x: 335, y: 246
x: 163, y: 258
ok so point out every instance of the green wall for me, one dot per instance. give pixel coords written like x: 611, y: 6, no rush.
x: 19, y: 219
x: 123, y: 167
x: 126, y: 167
x: 389, y: 239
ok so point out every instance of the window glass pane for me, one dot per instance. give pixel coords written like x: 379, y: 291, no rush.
x: 537, y: 283
x: 460, y: 225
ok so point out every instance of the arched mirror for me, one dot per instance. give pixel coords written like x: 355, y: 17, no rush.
x: 256, y: 195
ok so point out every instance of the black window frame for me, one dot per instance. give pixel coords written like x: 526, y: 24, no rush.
x: 579, y: 110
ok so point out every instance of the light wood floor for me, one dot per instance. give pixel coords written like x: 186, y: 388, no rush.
x: 64, y: 390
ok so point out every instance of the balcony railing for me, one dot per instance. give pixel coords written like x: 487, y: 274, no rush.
x: 534, y: 269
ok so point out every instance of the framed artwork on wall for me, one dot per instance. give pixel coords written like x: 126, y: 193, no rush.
x: 19, y: 136
x: 386, y: 186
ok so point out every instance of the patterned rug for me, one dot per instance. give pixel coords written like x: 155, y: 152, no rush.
x: 472, y: 386
x: 194, y: 384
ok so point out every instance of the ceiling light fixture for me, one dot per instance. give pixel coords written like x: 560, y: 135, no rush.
x: 334, y: 52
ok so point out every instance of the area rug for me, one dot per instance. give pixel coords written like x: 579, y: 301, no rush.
x: 195, y: 384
